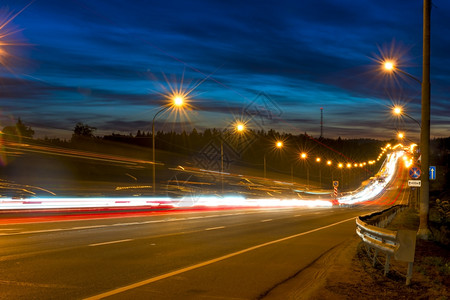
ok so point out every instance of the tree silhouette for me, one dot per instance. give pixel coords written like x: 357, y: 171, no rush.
x: 19, y: 130
x: 82, y: 132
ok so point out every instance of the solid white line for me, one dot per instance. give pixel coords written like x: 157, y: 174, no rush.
x: 267, y: 220
x: 38, y: 231
x: 107, y: 243
x: 214, y: 228
x: 205, y: 263
x: 87, y: 227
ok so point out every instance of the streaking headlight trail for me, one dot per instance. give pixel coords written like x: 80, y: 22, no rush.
x: 365, y: 193
x: 378, y: 184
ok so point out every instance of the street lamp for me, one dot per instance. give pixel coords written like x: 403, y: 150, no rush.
x: 304, y: 156
x: 318, y: 160
x: 278, y: 145
x: 329, y: 163
x: 398, y: 110
x: 238, y: 127
x: 424, y: 232
x: 341, y: 166
x: 177, y: 101
x: 391, y: 67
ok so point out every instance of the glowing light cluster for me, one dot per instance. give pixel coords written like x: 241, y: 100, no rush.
x: 377, y: 185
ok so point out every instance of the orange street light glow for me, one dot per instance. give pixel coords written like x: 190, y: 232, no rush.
x: 303, y: 155
x: 279, y: 144
x: 389, y: 65
x: 340, y: 165
x: 240, y: 127
x: 329, y: 162
x: 397, y: 110
x: 178, y: 101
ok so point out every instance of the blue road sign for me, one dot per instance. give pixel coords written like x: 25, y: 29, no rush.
x: 414, y: 173
x: 432, y: 172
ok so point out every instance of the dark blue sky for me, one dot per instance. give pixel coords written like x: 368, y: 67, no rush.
x: 108, y: 64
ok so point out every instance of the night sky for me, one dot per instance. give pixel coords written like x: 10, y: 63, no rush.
x: 109, y: 64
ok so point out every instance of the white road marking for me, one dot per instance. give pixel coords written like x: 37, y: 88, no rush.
x: 126, y: 224
x: 266, y: 220
x: 37, y: 231
x: 214, y: 228
x: 111, y: 242
x: 87, y: 227
x: 208, y: 262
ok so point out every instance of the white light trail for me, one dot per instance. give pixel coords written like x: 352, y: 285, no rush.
x: 368, y: 192
x: 376, y: 185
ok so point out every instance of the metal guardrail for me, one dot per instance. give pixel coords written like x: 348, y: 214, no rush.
x: 400, y: 244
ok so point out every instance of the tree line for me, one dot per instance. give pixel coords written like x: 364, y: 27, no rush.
x: 248, y: 149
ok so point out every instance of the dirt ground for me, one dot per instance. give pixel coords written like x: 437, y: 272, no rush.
x: 346, y: 272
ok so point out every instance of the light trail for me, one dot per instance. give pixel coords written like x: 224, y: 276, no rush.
x: 153, y: 202
x: 377, y: 184
x: 374, y: 188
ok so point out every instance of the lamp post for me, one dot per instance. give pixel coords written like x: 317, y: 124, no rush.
x: 329, y: 163
x: 398, y: 110
x: 239, y: 127
x: 278, y: 145
x: 318, y: 160
x: 390, y: 66
x: 424, y: 232
x: 304, y: 156
x: 177, y: 101
x: 349, y: 179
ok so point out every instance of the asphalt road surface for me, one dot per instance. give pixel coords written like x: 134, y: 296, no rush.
x: 223, y: 254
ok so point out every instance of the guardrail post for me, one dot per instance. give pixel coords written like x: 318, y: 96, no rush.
x: 409, y: 273
x: 386, y: 265
x: 374, y: 260
x: 400, y: 244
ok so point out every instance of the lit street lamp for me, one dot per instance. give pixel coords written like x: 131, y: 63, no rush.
x: 398, y: 110
x: 329, y: 163
x: 318, y: 160
x: 423, y: 232
x: 278, y: 145
x: 390, y: 66
x: 239, y: 127
x: 177, y: 101
x: 304, y: 156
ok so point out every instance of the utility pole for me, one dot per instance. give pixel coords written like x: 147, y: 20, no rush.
x: 424, y: 232
x: 321, y: 122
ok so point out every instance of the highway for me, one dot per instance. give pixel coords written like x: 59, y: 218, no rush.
x: 197, y: 252
x: 223, y: 254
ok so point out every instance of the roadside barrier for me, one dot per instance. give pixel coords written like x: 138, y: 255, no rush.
x: 400, y: 244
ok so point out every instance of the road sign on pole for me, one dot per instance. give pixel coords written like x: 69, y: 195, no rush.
x: 414, y: 183
x: 414, y: 173
x: 432, y: 172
